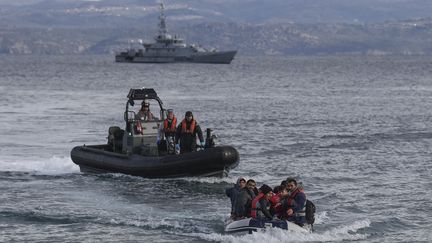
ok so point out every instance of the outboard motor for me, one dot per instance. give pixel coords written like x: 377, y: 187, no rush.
x: 210, y: 138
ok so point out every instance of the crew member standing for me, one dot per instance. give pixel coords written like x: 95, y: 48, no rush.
x: 186, y: 133
x: 168, y: 131
x: 169, y: 124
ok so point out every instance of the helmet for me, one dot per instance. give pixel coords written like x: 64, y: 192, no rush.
x: 145, y: 103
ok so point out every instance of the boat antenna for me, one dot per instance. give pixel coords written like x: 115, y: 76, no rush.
x: 162, y: 25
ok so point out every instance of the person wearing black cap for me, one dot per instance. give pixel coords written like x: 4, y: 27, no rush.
x: 144, y: 113
x: 186, y: 133
x: 261, y: 203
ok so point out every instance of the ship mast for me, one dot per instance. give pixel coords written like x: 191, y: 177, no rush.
x: 162, y: 26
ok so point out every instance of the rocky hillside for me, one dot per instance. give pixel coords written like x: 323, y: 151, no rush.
x: 400, y: 37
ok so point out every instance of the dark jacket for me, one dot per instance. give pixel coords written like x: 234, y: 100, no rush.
x: 263, y: 209
x: 188, y: 140
x: 297, y: 202
x: 232, y: 193
x: 243, y: 203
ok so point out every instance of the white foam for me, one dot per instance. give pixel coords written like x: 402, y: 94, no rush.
x: 347, y: 232
x: 321, y: 217
x: 351, y: 228
x: 50, y: 166
x: 151, y: 223
x: 216, y: 237
x: 212, y: 180
x: 263, y: 178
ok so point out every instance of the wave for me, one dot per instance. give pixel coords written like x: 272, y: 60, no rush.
x: 356, y: 146
x: 343, y: 233
x: 403, y: 136
x: 38, y: 216
x: 151, y: 223
x: 50, y: 166
x: 339, y: 136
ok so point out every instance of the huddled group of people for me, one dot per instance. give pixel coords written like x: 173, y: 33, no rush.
x: 286, y: 201
x: 183, y: 134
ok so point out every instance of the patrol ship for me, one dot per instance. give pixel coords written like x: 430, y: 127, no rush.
x: 168, y: 48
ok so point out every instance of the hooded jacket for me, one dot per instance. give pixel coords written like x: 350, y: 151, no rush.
x: 233, y: 192
x: 243, y: 202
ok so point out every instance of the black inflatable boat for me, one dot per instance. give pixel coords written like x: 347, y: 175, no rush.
x: 208, y: 162
x: 137, y: 153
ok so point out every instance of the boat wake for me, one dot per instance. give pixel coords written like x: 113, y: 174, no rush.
x: 341, y: 233
x: 50, y: 166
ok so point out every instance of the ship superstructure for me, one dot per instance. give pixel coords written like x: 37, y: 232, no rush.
x: 168, y: 48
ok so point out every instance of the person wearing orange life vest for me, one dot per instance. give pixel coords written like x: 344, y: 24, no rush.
x: 186, y: 133
x: 169, y: 126
x: 261, y: 203
x: 295, y: 203
x: 167, y: 132
x: 280, y: 194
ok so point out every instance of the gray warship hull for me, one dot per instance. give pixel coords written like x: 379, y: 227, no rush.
x: 224, y: 57
x: 168, y: 49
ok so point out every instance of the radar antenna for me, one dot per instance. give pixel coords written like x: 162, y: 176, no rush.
x: 162, y: 25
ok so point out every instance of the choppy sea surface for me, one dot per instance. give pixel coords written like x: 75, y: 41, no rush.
x: 355, y: 130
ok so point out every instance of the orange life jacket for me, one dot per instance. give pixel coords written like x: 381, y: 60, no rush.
x: 191, y: 129
x: 171, y: 128
x: 275, y: 199
x: 255, y: 204
x: 291, y: 202
x: 292, y: 196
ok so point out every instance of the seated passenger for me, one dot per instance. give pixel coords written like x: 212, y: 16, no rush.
x: 261, y: 204
x: 144, y: 113
x: 244, y: 199
x: 277, y: 200
x: 295, y: 203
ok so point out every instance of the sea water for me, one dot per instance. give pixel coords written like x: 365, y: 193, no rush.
x: 355, y: 130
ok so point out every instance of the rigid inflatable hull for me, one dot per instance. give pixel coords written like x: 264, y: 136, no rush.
x: 215, y: 161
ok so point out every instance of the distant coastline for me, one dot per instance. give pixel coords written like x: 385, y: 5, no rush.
x: 410, y: 37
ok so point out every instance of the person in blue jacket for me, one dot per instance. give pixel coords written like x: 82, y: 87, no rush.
x: 295, y: 203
